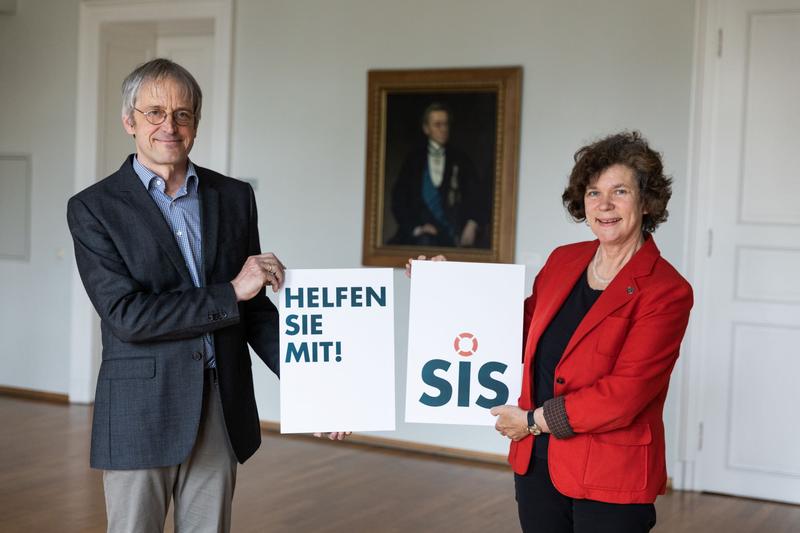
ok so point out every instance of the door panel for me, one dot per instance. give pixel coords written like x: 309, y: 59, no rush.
x: 751, y: 441
x: 195, y: 53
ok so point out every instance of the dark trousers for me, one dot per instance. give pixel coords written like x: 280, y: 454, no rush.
x: 542, y: 509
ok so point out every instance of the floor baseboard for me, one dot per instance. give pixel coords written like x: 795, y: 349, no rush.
x: 408, y: 446
x: 32, y: 394
x: 416, y: 447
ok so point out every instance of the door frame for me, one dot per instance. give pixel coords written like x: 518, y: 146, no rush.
x: 84, y: 346
x: 697, y: 240
x: 708, y: 49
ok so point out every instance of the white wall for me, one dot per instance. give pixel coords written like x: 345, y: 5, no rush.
x: 38, y: 62
x: 590, y: 68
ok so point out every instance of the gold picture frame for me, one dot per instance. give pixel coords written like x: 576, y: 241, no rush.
x: 455, y: 197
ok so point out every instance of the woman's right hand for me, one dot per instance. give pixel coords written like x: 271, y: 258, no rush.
x: 439, y: 257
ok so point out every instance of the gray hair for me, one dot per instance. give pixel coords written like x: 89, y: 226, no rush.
x: 157, y: 70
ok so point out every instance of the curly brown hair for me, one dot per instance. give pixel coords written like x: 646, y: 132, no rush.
x: 624, y: 148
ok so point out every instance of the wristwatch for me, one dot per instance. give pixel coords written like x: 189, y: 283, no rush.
x: 533, y: 429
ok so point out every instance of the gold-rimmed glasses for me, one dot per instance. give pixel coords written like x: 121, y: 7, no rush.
x: 157, y: 116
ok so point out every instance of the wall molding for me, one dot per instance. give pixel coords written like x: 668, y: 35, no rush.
x: 24, y: 253
x: 415, y: 447
x: 275, y: 427
x: 33, y: 394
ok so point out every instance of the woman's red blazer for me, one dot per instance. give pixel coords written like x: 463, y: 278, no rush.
x: 613, y: 375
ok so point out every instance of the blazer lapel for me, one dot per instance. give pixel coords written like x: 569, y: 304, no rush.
x: 553, y: 294
x: 622, y: 290
x: 209, y: 213
x: 141, y: 202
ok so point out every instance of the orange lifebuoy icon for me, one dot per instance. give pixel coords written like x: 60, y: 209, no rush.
x: 465, y: 336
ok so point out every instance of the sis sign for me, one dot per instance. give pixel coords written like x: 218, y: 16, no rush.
x: 465, y: 342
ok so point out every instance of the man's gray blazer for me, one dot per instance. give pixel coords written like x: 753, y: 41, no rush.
x: 150, y: 386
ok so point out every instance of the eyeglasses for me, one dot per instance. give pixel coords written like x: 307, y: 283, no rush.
x: 182, y: 117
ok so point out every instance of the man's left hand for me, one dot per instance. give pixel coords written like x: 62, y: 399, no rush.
x: 334, y: 435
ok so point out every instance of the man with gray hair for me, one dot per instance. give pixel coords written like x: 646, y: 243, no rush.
x: 169, y: 255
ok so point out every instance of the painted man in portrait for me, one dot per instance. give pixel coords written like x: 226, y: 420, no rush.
x: 435, y: 198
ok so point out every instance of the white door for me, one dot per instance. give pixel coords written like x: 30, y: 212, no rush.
x: 122, y: 48
x: 751, y: 325
x: 196, y: 53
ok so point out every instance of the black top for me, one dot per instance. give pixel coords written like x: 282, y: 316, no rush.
x: 552, y: 344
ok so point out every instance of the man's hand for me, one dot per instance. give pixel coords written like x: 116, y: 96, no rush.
x: 422, y: 258
x: 469, y: 233
x: 334, y: 435
x: 258, y: 271
x: 512, y: 422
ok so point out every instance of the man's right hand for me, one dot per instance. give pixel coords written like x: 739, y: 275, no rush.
x: 258, y: 271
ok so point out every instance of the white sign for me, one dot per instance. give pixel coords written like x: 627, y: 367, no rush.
x: 464, y: 341
x: 337, y: 350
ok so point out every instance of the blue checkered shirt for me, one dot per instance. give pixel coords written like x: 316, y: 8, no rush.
x: 182, y: 213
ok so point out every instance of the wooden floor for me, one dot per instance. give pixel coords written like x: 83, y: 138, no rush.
x: 298, y: 484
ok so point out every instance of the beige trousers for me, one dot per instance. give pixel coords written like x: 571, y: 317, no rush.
x: 201, y: 487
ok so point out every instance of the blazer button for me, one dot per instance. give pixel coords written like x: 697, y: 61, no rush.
x: 560, y: 380
x: 197, y: 356
x: 224, y: 314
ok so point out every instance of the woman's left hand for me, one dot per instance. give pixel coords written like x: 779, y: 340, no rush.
x: 512, y: 422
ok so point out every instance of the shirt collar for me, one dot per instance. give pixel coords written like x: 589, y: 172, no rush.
x: 151, y: 179
x: 435, y: 148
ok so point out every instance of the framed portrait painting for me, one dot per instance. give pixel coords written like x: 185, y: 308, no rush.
x: 442, y: 160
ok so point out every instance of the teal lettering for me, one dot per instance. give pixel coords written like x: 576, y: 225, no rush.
x: 287, y: 295
x: 316, y: 325
x: 325, y: 301
x: 373, y: 296
x: 293, y: 327
x: 312, y: 293
x: 486, y: 380
x: 355, y: 296
x: 463, y: 383
x: 430, y: 378
x: 293, y: 351
x: 341, y: 295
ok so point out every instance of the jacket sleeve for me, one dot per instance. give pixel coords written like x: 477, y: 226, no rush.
x: 642, y: 369
x: 261, y: 315
x: 133, y: 313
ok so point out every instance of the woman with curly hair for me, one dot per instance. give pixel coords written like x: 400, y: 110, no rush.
x: 602, y: 330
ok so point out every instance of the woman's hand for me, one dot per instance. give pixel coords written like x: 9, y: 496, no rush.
x: 439, y: 257
x: 334, y: 435
x: 512, y: 422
